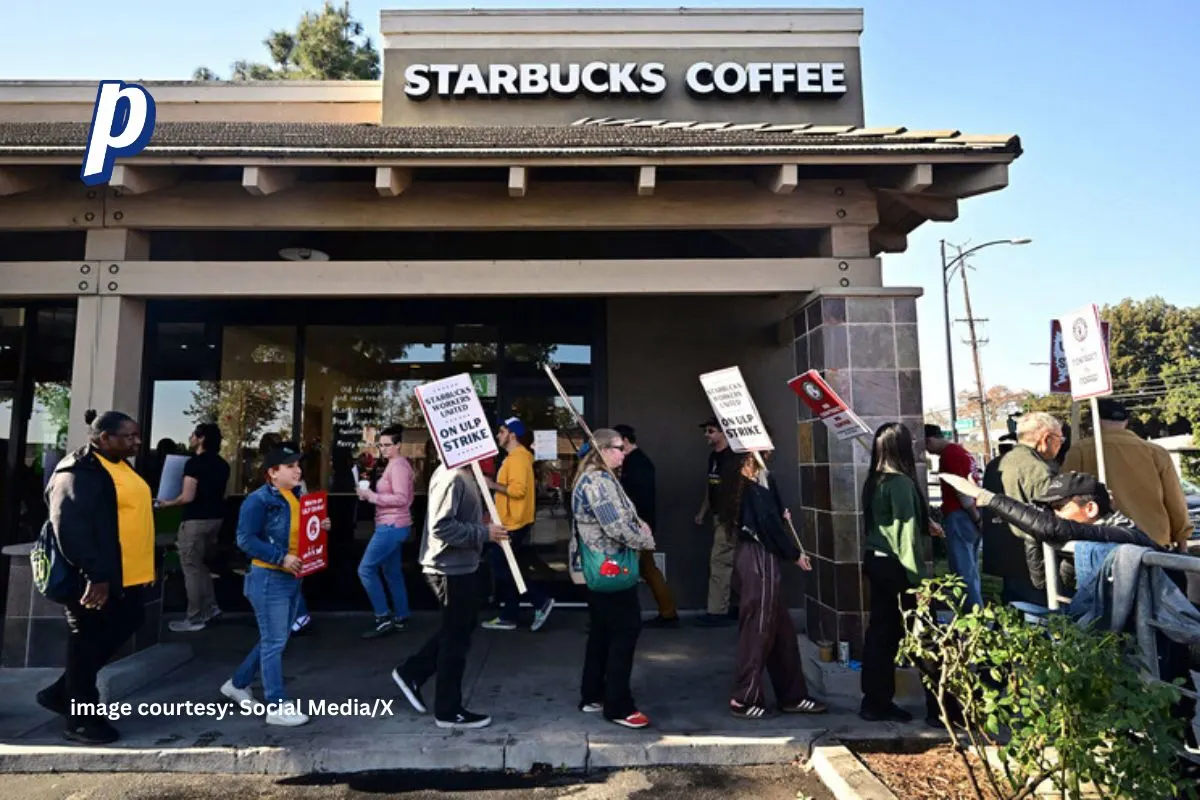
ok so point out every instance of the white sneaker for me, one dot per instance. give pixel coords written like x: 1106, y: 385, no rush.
x: 235, y: 694
x: 184, y: 626
x: 289, y: 716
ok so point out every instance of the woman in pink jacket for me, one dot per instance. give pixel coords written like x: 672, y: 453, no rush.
x: 392, y: 498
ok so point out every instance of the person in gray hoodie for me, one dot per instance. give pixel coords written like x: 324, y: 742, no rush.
x: 451, y: 543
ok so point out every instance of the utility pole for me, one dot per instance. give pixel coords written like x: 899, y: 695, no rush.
x: 983, y: 410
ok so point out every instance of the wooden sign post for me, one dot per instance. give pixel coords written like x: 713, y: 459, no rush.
x: 463, y: 437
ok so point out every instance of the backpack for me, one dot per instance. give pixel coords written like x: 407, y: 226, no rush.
x: 53, y: 576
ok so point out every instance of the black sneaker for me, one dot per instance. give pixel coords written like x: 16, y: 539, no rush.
x: 399, y: 623
x: 91, y: 732
x: 661, y: 622
x: 465, y: 720
x: 412, y: 692
x: 892, y: 713
x: 51, y: 700
x: 382, y: 627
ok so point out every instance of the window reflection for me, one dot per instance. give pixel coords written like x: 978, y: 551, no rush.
x: 41, y: 438
x: 251, y: 401
x: 358, y: 381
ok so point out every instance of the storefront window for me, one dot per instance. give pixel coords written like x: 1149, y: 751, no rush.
x: 249, y: 397
x: 358, y: 381
x: 34, y: 411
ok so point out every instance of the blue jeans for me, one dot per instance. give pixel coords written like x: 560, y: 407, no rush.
x: 964, y: 543
x: 275, y: 596
x: 383, y: 555
x: 506, y: 588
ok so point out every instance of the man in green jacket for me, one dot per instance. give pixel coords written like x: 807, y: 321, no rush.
x: 1023, y: 474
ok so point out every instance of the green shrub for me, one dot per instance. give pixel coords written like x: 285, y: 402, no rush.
x: 1060, y: 703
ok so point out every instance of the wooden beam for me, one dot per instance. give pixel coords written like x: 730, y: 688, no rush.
x: 970, y: 181
x: 782, y: 179
x: 916, y: 178
x: 518, y: 181
x: 430, y: 205
x: 49, y: 278
x: 647, y: 176
x: 139, y: 180
x: 15, y: 180
x: 68, y: 205
x: 392, y: 181
x: 193, y: 279
x: 262, y: 181
x: 887, y: 240
x: 845, y: 241
x: 935, y: 209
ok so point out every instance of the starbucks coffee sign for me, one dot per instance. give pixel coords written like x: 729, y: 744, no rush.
x: 624, y: 79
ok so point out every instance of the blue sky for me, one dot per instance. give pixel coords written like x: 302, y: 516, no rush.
x: 1102, y: 92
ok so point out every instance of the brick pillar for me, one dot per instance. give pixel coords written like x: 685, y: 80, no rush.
x: 864, y: 342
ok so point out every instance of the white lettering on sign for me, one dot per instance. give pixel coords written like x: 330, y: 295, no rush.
x: 735, y: 410
x: 534, y: 80
x: 611, y: 79
x: 1087, y: 356
x: 456, y: 419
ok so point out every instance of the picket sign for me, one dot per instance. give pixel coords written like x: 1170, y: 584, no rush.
x: 1085, y: 346
x: 738, y: 416
x: 1087, y: 360
x: 460, y: 430
x: 829, y: 408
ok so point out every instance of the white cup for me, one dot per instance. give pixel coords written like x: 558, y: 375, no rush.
x: 364, y: 485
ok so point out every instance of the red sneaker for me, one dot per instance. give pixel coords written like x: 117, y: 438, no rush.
x: 635, y: 720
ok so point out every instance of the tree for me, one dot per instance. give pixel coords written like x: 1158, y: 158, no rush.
x: 327, y: 45
x: 1156, y: 364
x: 1000, y: 399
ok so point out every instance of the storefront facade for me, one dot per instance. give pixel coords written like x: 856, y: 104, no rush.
x: 634, y: 197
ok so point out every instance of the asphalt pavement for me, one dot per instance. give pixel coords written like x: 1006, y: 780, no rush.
x: 783, y: 782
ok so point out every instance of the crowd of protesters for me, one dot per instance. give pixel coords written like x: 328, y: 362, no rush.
x: 101, y: 513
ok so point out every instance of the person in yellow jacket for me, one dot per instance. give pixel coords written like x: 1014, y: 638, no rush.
x: 515, y: 490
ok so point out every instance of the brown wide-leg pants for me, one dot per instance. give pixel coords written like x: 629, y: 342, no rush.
x: 766, y: 636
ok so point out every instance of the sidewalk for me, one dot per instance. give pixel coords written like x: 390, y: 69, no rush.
x: 528, y: 682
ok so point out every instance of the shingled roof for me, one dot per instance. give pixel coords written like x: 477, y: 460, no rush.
x: 599, y: 137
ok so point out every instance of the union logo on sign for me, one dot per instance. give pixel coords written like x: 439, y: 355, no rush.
x: 314, y: 529
x: 1080, y: 329
x: 814, y: 391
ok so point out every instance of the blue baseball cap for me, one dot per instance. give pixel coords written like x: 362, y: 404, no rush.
x: 515, y: 426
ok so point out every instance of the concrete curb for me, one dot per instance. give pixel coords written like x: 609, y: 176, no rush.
x: 471, y: 751
x: 125, y: 676
x: 846, y: 776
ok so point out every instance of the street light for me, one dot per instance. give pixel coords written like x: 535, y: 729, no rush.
x: 947, y: 272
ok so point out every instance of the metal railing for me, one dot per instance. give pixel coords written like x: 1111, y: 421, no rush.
x: 1181, y: 562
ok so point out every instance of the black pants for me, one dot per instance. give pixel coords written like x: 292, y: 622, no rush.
x: 93, y: 638
x: 616, y: 622
x: 445, y: 654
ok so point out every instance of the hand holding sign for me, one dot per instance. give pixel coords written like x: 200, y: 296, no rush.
x: 463, y: 437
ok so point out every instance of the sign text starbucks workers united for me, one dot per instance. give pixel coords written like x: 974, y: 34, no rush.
x: 456, y: 419
x: 735, y: 410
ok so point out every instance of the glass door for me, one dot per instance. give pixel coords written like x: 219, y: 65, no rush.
x: 555, y: 439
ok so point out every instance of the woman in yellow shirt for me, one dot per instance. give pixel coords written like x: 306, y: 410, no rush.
x: 102, y: 516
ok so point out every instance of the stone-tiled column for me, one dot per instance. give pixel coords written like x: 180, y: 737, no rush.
x: 864, y: 342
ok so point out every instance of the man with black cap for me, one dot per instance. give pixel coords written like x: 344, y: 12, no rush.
x: 721, y: 462
x: 1083, y: 512
x: 637, y: 478
x: 1145, y: 485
